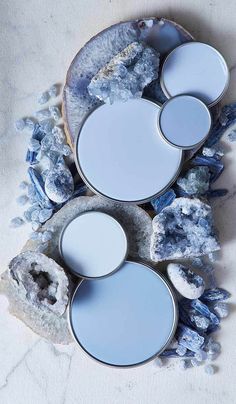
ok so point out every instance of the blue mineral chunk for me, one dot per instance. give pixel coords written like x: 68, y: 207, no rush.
x: 189, y: 338
x: 44, y: 215
x: 53, y: 90
x: 182, y: 230
x: 160, y: 202
x: 44, y: 97
x: 31, y: 157
x: 43, y: 114
x: 38, y: 133
x: 204, y: 310
x: 216, y: 193
x: 216, y: 294
x: 55, y: 113
x: 16, y: 222
x: 226, y: 120
x: 80, y: 190
x: 20, y: 124
x: 221, y: 309
x: 171, y: 353
x: 232, y: 136
x: 195, y: 182
x: 37, y: 182
x: 215, y: 165
x: 212, y: 328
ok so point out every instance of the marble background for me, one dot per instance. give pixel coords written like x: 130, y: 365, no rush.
x: 38, y: 39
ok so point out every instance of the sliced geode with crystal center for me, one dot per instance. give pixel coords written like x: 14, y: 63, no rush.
x: 40, y: 281
x: 183, y: 229
x: 126, y: 75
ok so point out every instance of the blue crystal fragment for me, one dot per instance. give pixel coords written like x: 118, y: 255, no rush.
x: 216, y: 193
x: 171, y: 353
x: 160, y: 202
x: 216, y: 294
x: 189, y: 338
x: 205, y: 311
x: 31, y: 157
x: 37, y: 182
x: 226, y: 120
x: 195, y: 182
x: 215, y: 166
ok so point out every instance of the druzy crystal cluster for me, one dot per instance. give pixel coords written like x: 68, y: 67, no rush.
x: 126, y: 75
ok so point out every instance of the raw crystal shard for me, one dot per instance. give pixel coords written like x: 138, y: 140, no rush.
x: 183, y: 230
x: 126, y: 75
x: 196, y: 181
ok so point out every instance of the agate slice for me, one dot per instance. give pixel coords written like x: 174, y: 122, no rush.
x: 161, y: 34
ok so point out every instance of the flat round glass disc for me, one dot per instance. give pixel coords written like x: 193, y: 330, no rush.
x: 121, y: 154
x: 125, y: 319
x: 93, y: 245
x: 185, y: 121
x: 196, y: 69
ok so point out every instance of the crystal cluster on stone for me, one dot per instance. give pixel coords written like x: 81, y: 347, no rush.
x: 185, y: 281
x: 126, y: 75
x: 183, y: 229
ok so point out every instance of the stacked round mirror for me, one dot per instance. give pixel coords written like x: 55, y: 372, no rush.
x: 124, y: 313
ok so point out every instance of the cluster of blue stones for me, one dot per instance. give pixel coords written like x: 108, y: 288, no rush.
x: 51, y: 181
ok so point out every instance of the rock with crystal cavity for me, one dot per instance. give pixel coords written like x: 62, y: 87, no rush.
x: 126, y: 75
x: 183, y: 230
x: 161, y: 34
x: 185, y: 281
x: 136, y: 222
x: 37, y: 289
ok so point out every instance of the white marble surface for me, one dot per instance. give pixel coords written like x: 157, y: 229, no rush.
x: 38, y: 40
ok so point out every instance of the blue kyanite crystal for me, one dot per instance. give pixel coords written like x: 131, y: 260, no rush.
x: 59, y: 184
x: 216, y: 294
x: 43, y: 98
x: 196, y: 181
x: 215, y: 166
x: 160, y: 202
x: 226, y: 120
x: 126, y: 75
x: 37, y: 183
x: 204, y: 311
x: 183, y: 230
x: 221, y: 309
x: 189, y: 338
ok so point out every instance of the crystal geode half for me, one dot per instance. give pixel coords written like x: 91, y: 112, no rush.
x: 183, y: 230
x: 38, y: 291
x: 126, y: 75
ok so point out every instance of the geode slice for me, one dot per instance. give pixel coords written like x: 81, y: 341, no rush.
x: 161, y: 34
x: 126, y: 75
x: 38, y: 290
x: 136, y: 222
x: 182, y: 230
